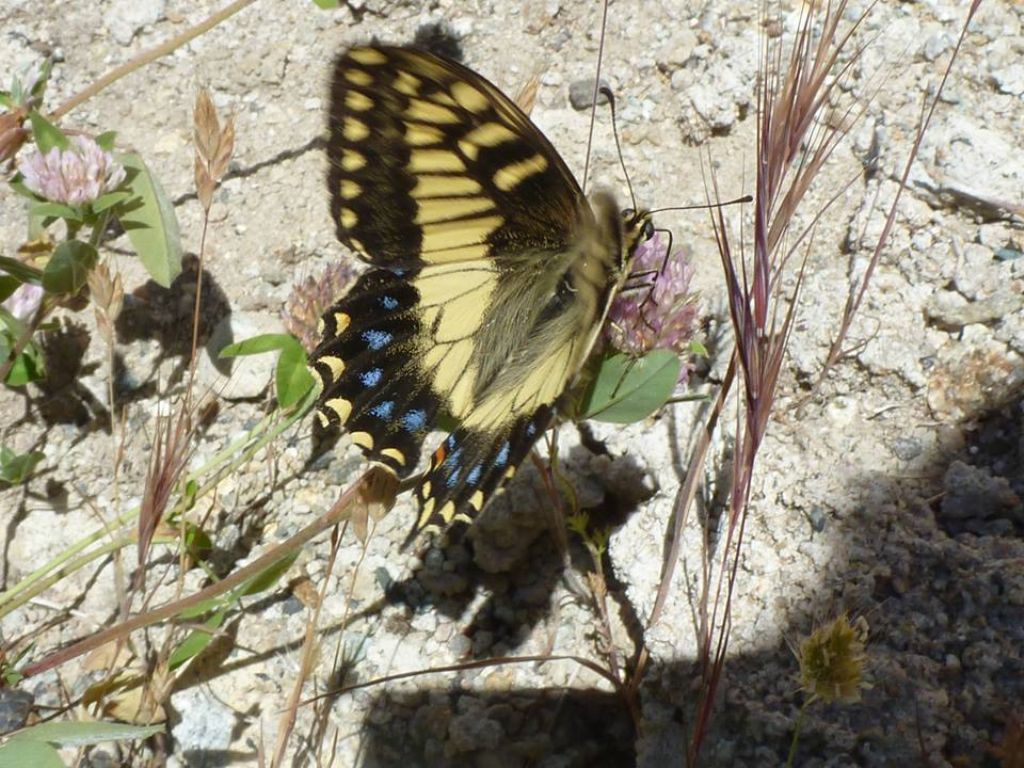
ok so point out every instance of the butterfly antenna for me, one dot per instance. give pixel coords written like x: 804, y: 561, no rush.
x: 702, y: 206
x: 607, y: 93
x: 597, y: 88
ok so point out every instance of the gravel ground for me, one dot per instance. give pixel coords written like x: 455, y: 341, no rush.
x: 892, y: 492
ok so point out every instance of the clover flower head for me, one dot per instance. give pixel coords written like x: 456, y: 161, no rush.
x: 663, y: 316
x: 24, y: 302
x: 74, y: 176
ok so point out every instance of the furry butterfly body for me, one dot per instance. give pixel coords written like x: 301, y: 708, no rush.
x: 492, y: 274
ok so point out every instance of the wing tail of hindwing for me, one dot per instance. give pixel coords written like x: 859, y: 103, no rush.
x: 470, y: 466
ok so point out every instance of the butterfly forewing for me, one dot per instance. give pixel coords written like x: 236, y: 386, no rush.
x: 492, y: 274
x: 431, y: 163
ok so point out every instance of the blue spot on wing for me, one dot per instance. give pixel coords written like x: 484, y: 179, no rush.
x: 371, y: 378
x: 531, y: 429
x: 474, y: 475
x: 502, y: 458
x: 414, y: 420
x: 377, y: 339
x: 389, y: 303
x: 453, y: 478
x: 453, y: 459
x: 383, y: 409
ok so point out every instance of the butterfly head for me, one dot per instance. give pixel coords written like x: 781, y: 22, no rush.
x: 637, y: 226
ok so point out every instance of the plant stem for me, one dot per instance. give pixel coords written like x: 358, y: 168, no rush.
x: 336, y: 514
x: 147, y: 57
x: 34, y: 584
x: 796, y: 732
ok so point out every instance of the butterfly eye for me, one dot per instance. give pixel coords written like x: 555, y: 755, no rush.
x: 647, y: 232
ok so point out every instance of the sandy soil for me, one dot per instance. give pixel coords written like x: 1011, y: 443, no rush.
x: 891, y: 492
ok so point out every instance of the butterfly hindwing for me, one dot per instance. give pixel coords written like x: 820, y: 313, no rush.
x: 368, y: 366
x: 469, y: 467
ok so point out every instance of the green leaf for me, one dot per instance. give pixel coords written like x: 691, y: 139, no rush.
x: 48, y: 210
x: 328, y: 4
x: 627, y: 389
x: 109, y: 200
x: 188, y: 497
x: 23, y: 272
x: 106, y: 140
x: 8, y: 285
x: 68, y: 268
x: 197, y: 640
x: 19, y: 753
x: 6, y: 101
x: 266, y: 578
x: 698, y: 348
x: 197, y: 542
x: 80, y: 734
x: 44, y: 77
x: 259, y: 582
x: 15, y: 468
x: 204, y: 607
x: 46, y: 134
x: 257, y: 345
x: 28, y: 366
x: 292, y: 377
x: 150, y: 223
x: 17, y: 184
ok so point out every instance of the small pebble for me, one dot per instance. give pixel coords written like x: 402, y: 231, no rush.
x: 14, y: 708
x: 581, y: 94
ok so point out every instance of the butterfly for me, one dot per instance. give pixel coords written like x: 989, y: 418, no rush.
x: 491, y: 275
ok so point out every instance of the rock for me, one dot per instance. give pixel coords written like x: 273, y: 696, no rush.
x: 238, y: 378
x: 14, y: 708
x: 973, y: 494
x: 205, y: 727
x: 1010, y: 79
x: 126, y: 17
x: 972, y: 376
x: 936, y: 45
x: 949, y: 314
x: 581, y: 94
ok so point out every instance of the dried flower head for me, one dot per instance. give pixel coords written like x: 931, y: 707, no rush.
x: 312, y: 297
x: 24, y: 302
x: 74, y: 176
x: 12, y: 135
x: 661, y: 317
x: 214, y: 146
x: 108, y: 297
x: 832, y: 660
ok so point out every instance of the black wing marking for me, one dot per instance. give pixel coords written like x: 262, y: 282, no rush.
x: 470, y: 466
x: 428, y: 159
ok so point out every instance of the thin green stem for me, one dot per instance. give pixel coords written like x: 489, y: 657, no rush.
x: 68, y: 567
x: 336, y: 514
x: 37, y: 581
x: 796, y: 731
